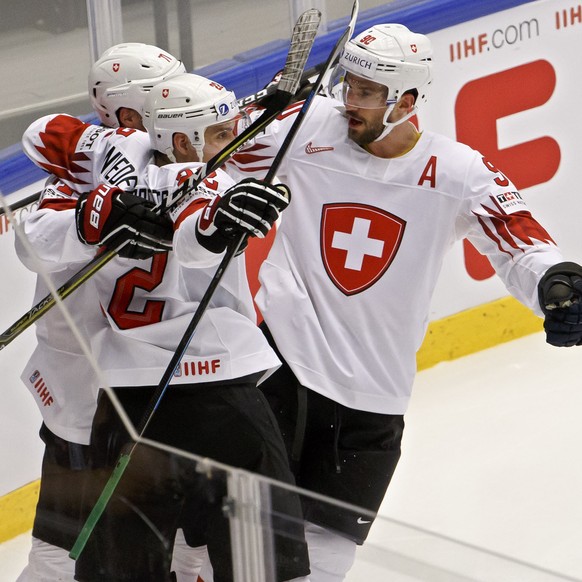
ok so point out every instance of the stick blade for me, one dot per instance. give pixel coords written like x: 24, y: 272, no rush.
x: 302, y: 39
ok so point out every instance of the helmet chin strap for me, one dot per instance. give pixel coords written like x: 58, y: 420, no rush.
x: 199, y: 152
x: 389, y: 126
x: 198, y: 144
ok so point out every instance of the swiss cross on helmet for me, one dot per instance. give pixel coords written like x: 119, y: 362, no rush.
x: 123, y: 76
x: 393, y: 56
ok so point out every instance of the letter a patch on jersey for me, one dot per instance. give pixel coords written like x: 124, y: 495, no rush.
x: 358, y: 244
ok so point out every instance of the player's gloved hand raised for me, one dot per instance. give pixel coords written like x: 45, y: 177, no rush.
x: 250, y: 207
x: 306, y: 82
x: 560, y: 297
x: 108, y: 216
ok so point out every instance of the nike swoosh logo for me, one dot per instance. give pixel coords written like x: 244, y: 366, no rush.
x: 311, y: 149
x: 363, y: 521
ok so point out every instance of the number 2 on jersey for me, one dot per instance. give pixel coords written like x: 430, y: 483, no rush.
x: 138, y: 278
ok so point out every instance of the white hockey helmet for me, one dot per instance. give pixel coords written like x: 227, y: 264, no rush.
x: 123, y: 76
x: 393, y: 56
x: 186, y: 104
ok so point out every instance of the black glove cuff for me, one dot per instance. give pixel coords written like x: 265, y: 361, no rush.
x: 565, y: 268
x: 215, y: 243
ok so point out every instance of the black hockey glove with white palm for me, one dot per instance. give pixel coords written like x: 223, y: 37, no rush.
x: 108, y: 216
x: 250, y: 207
x: 560, y: 297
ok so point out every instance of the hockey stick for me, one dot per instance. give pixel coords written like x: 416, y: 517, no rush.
x: 233, y: 248
x: 257, y: 98
x: 275, y: 103
x: 156, y: 398
x: 22, y: 203
x: 301, y: 43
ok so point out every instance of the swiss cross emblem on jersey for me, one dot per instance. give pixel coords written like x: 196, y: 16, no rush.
x: 358, y: 244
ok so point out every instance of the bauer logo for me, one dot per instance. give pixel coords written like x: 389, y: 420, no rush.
x: 170, y: 115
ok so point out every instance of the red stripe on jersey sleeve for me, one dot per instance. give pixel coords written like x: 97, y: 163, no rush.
x: 525, y: 227
x: 58, y: 203
x: 519, y: 226
x: 247, y: 160
x: 491, y: 235
x: 291, y: 110
x: 196, y: 205
x: 254, y: 169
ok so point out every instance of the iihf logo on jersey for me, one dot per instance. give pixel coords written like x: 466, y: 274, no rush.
x: 358, y: 244
x: 40, y: 387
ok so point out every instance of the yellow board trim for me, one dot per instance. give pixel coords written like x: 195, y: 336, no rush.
x: 17, y: 510
x: 476, y: 329
x: 449, y: 338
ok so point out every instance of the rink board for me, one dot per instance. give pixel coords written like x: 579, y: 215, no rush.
x: 480, y: 63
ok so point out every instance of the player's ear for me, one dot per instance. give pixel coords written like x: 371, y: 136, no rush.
x: 407, y: 101
x: 182, y: 145
x: 129, y: 118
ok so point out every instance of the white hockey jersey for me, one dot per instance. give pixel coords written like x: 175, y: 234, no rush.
x: 149, y: 303
x: 346, y: 288
x: 58, y: 374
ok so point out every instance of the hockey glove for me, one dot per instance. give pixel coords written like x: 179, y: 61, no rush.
x: 308, y: 78
x: 560, y: 294
x: 109, y: 216
x: 250, y: 207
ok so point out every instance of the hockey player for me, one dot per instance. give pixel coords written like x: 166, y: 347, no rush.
x: 149, y: 303
x: 345, y: 290
x: 58, y: 374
